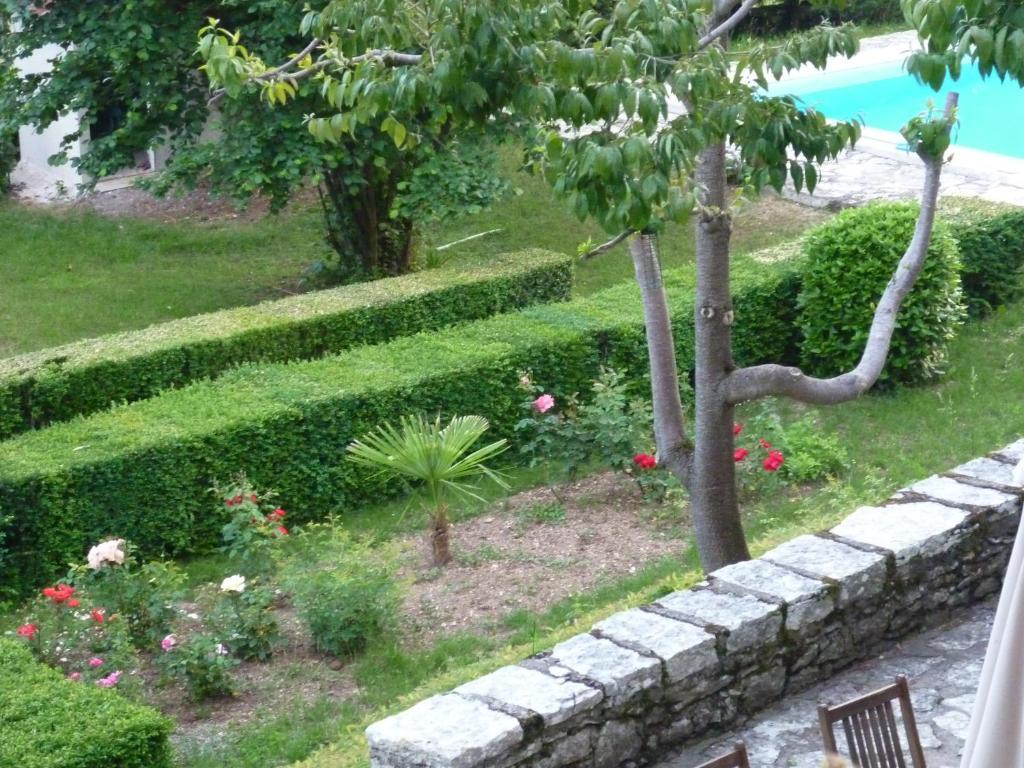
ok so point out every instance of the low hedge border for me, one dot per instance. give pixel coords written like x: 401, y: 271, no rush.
x: 56, y: 384
x: 51, y: 722
x: 143, y: 470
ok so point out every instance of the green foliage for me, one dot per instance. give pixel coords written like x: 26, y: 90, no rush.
x: 80, y: 378
x: 851, y: 259
x: 811, y: 453
x: 50, y: 722
x: 8, y: 127
x: 608, y: 428
x: 147, y: 467
x: 989, y: 34
x: 991, y: 240
x: 143, y: 595
x: 131, y: 75
x: 202, y: 664
x: 346, y: 594
x: 442, y: 458
x: 246, y: 623
x: 256, y: 524
x: 549, y: 64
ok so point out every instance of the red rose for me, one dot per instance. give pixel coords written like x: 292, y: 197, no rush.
x: 253, y: 499
x: 60, y: 593
x: 73, y: 603
x: 98, y: 614
x: 28, y: 630
x: 282, y: 530
x: 645, y: 461
x: 740, y: 454
x: 277, y: 514
x: 774, y: 461
x: 737, y: 428
x: 764, y: 443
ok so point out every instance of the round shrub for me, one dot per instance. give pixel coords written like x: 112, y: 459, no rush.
x: 850, y: 260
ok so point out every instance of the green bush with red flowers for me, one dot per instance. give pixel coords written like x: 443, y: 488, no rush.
x: 51, y: 722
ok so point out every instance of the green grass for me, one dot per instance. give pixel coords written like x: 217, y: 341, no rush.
x: 96, y: 275
x: 893, y: 439
x: 69, y: 274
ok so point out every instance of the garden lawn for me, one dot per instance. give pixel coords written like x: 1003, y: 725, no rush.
x: 891, y: 440
x: 68, y: 274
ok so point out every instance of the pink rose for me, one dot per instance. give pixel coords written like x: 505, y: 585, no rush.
x: 544, y: 403
x: 95, y: 662
x: 75, y: 676
x: 168, y: 642
x: 110, y: 680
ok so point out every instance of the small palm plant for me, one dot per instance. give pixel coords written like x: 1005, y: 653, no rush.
x: 440, y: 458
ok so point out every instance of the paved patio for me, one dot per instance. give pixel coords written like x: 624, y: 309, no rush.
x: 943, y: 665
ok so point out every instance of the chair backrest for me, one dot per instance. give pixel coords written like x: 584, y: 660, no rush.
x: 737, y: 758
x: 872, y: 734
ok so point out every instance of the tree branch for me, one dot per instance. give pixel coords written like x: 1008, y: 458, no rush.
x: 728, y: 25
x: 388, y: 58
x: 760, y: 381
x: 605, y: 247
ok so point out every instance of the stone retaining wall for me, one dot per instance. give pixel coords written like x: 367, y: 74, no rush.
x: 647, y: 679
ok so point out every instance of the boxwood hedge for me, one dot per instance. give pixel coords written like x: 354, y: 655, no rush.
x: 81, y: 378
x: 991, y: 240
x: 143, y: 470
x: 51, y: 722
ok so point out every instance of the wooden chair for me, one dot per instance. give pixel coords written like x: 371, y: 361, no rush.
x: 872, y: 735
x: 735, y: 759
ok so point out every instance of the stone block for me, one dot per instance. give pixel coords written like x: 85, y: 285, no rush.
x: 859, y: 574
x: 447, y: 731
x: 748, y: 621
x: 807, y: 600
x: 622, y: 673
x: 685, y: 649
x: 947, y: 490
x: 554, y: 699
x: 906, y: 530
x: 988, y: 471
x: 1014, y: 451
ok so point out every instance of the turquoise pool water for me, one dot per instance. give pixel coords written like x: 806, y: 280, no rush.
x: 991, y: 112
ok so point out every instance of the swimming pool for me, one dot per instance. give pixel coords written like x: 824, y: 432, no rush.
x: 885, y: 97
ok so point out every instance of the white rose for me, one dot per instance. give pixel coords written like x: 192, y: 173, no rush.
x: 234, y: 583
x: 109, y: 551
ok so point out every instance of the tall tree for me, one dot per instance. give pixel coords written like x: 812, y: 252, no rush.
x: 634, y: 110
x: 130, y: 71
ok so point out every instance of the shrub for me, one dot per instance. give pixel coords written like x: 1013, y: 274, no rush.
x: 202, y: 664
x: 347, y: 595
x: 51, y: 722
x: 991, y: 240
x: 851, y: 258
x: 147, y: 467
x: 245, y: 621
x: 56, y: 384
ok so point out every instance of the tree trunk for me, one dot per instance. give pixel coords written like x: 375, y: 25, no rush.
x: 367, y: 241
x: 674, y: 448
x: 440, y: 544
x: 713, y: 497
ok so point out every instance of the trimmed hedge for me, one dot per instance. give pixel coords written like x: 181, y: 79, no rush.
x: 850, y: 260
x: 57, y: 384
x: 991, y: 240
x: 143, y: 470
x: 51, y: 722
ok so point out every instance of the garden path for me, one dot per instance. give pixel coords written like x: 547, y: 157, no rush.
x: 943, y: 664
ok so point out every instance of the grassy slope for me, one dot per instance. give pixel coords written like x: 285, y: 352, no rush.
x: 892, y: 440
x: 68, y: 275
